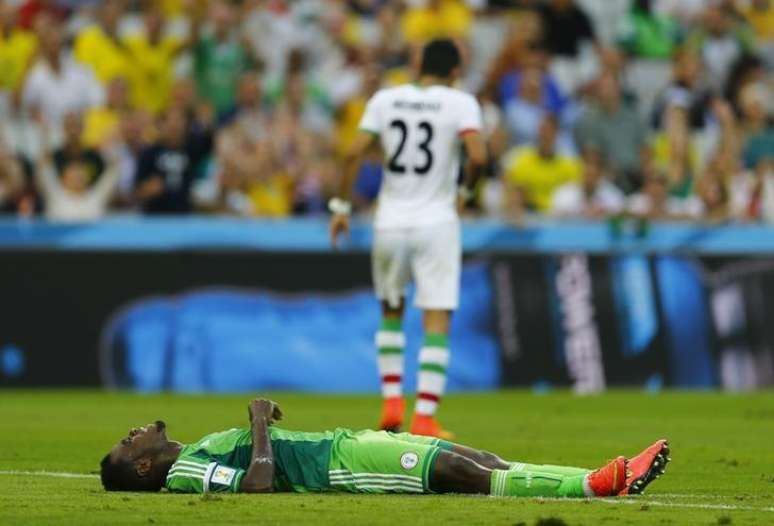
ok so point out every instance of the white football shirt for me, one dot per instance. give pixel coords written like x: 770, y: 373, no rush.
x: 420, y: 129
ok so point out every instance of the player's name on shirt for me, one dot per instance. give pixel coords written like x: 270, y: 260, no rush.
x: 416, y: 105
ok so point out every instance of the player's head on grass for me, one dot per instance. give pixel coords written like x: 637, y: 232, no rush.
x: 140, y: 461
x: 441, y: 58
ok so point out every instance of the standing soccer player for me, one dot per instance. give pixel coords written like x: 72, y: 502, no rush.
x: 416, y: 228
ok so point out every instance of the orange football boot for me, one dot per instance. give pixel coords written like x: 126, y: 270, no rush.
x: 608, y: 480
x: 392, y: 414
x: 428, y: 426
x: 646, y: 467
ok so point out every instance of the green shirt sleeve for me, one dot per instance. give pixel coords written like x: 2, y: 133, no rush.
x: 199, y: 475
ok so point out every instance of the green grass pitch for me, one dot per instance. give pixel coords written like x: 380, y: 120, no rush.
x: 722, y: 449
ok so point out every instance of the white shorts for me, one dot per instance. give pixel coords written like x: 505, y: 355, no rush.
x: 432, y: 255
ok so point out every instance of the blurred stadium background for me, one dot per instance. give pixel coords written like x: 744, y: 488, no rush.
x: 164, y: 170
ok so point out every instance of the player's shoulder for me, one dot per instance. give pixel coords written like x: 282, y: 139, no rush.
x: 456, y: 94
x: 391, y: 92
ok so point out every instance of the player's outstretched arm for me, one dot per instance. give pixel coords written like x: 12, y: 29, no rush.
x: 341, y: 206
x: 260, y: 475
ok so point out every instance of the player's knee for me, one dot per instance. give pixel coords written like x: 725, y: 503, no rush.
x: 490, y: 460
x: 461, y: 466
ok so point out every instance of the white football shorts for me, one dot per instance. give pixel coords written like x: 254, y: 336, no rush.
x: 431, y: 255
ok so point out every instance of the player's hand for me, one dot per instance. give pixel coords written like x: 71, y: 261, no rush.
x: 262, y: 408
x: 339, y: 225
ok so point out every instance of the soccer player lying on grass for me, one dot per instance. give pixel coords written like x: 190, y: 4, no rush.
x: 264, y: 459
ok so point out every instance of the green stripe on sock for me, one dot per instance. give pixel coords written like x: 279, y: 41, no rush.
x: 436, y: 340
x: 392, y: 324
x: 390, y: 350
x: 432, y: 368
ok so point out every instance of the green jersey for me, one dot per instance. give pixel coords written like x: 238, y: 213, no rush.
x: 340, y: 460
x: 218, y: 462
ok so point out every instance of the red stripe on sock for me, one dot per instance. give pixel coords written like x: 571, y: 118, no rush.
x: 429, y: 396
x: 391, y: 379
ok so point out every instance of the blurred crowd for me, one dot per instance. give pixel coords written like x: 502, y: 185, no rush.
x: 593, y: 108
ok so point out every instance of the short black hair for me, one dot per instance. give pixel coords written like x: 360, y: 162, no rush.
x: 121, y: 476
x: 440, y: 58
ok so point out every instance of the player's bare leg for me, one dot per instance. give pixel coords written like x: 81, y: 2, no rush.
x: 390, y: 341
x: 492, y: 461
x: 455, y: 473
x: 433, y: 363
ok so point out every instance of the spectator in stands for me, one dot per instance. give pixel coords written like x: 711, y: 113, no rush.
x: 153, y: 53
x: 303, y: 105
x: 102, y: 124
x: 566, y: 27
x: 654, y: 201
x: 687, y: 90
x: 524, y: 37
x: 756, y: 126
x: 391, y: 50
x: 133, y: 133
x: 647, y: 34
x: 687, y: 12
x: 17, y: 49
x: 11, y: 179
x: 248, y: 111
x: 593, y: 197
x: 57, y: 85
x: 429, y: 19
x: 167, y: 168
x: 74, y: 151
x: 714, y: 195
x: 220, y: 58
x: 31, y: 10
x: 760, y: 15
x: 70, y: 196
x: 533, y: 173
x: 721, y: 40
x: 535, y: 97
x: 614, y: 128
x: 99, y: 45
x: 675, y: 153
x: 752, y: 193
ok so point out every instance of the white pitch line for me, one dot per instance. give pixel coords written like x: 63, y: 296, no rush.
x: 631, y: 502
x: 60, y: 474
x: 727, y: 507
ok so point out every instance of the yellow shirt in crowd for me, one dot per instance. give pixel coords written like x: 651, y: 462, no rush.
x: 105, y: 56
x: 16, y: 52
x: 152, y: 75
x: 451, y: 19
x: 147, y: 68
x: 538, y: 177
x: 99, y: 125
x: 762, y: 21
x: 273, y: 196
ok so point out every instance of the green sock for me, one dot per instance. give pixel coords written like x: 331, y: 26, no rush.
x: 535, y: 484
x: 547, y: 468
x: 390, y: 341
x: 431, y: 381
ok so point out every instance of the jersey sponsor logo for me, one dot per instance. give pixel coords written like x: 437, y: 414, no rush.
x: 409, y: 460
x: 223, y: 476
